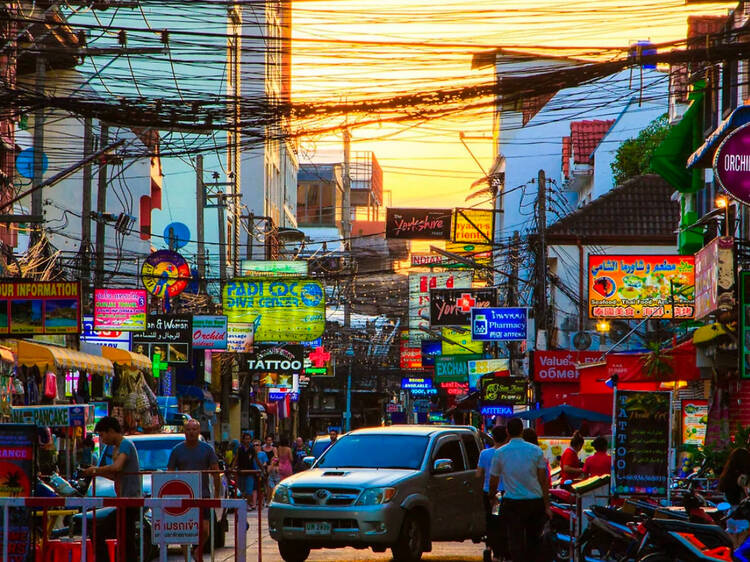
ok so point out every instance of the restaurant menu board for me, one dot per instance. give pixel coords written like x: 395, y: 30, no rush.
x: 745, y: 324
x: 17, y: 465
x: 642, y: 441
x: 641, y: 286
x: 503, y: 390
x: 694, y: 421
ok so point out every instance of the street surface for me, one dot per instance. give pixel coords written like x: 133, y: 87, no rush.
x: 445, y: 552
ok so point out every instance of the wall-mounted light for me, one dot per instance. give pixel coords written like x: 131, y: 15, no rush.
x: 602, y: 326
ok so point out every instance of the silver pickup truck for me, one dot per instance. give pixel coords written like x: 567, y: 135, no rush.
x: 398, y: 487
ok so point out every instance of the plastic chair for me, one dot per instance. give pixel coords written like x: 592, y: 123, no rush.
x: 67, y: 551
x: 112, y: 549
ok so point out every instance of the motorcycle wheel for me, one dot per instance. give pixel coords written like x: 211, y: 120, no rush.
x: 598, y: 549
x: 656, y: 557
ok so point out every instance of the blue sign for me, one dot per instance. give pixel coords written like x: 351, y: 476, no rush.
x: 416, y: 383
x: 110, y: 338
x: 177, y: 235
x: 430, y: 348
x: 25, y: 163
x: 496, y: 410
x: 423, y: 391
x: 499, y: 324
x: 276, y: 396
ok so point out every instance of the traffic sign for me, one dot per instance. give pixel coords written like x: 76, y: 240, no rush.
x: 176, y: 525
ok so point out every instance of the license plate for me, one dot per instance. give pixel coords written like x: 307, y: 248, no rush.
x: 318, y: 528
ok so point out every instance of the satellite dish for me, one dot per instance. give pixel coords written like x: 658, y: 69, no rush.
x: 581, y: 341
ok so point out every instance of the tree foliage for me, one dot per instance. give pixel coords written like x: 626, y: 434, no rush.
x: 633, y: 156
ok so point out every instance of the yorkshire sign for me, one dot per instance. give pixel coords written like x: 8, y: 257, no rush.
x: 732, y: 164
x: 452, y: 307
x: 418, y: 224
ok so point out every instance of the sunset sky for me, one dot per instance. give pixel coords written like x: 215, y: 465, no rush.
x: 422, y: 46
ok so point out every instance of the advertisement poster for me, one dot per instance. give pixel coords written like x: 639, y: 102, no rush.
x: 642, y: 436
x: 452, y: 307
x: 40, y: 307
x: 240, y: 337
x: 418, y: 224
x: 268, y: 269
x: 641, y: 286
x: 561, y: 366
x: 280, y: 310
x: 714, y: 277
x: 499, y: 324
x: 120, y: 309
x: 110, y: 338
x: 502, y: 390
x: 473, y: 226
x: 165, y: 273
x: 209, y: 332
x: 169, y: 334
x: 420, y: 285
x: 17, y: 464
x: 730, y: 164
x: 694, y: 421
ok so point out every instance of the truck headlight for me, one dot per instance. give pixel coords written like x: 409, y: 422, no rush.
x: 281, y: 494
x: 376, y: 496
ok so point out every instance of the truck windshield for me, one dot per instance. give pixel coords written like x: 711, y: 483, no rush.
x: 375, y: 451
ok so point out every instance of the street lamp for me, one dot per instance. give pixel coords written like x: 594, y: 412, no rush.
x: 348, y: 414
x: 602, y: 326
x: 722, y: 202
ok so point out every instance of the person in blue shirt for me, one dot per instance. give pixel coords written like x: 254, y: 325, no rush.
x: 495, y: 532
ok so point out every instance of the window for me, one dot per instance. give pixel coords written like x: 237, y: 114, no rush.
x: 472, y: 450
x: 451, y: 450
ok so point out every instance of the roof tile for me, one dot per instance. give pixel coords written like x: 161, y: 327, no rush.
x: 586, y: 136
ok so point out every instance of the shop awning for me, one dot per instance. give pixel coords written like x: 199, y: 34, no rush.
x: 6, y: 355
x: 704, y: 156
x: 125, y: 357
x: 706, y: 334
x: 195, y: 392
x: 50, y: 356
x: 259, y: 407
x: 549, y: 414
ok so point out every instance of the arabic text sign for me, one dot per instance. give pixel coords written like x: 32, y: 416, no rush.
x: 641, y: 442
x: 173, y: 525
x: 732, y: 164
x: 209, y: 332
x: 473, y: 226
x: 714, y: 277
x: 420, y: 285
x: 418, y: 224
x: 120, y: 309
x: 499, y: 324
x: 170, y: 334
x: 641, y: 286
x: 452, y: 307
x: 261, y: 268
x: 503, y: 390
x: 694, y: 421
x: 40, y: 307
x: 280, y: 309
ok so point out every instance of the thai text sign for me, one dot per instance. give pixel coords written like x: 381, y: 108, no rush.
x: 561, y: 366
x: 694, y: 421
x: 171, y: 335
x: 714, y: 277
x: 455, y: 368
x: 418, y: 224
x: 499, y: 324
x: 120, y: 309
x: 641, y: 286
x: 209, y: 332
x: 280, y: 309
x: 503, y: 390
x: 420, y: 285
x: 173, y: 525
x: 40, y: 307
x: 452, y: 307
x: 732, y: 164
x: 17, y: 471
x: 641, y: 442
x: 473, y: 226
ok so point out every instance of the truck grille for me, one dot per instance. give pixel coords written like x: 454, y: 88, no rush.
x: 294, y: 522
x: 324, y: 496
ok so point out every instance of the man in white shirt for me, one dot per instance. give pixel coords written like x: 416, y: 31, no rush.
x: 526, y: 505
x: 495, y: 527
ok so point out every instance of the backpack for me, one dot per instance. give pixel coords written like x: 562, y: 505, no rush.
x: 50, y: 386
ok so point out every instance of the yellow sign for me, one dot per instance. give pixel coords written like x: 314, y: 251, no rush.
x: 459, y: 342
x: 473, y: 226
x: 282, y: 310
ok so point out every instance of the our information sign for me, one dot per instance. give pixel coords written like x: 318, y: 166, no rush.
x: 176, y: 525
x: 642, y: 442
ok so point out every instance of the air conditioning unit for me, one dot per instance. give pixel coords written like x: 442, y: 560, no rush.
x: 569, y: 323
x: 594, y: 338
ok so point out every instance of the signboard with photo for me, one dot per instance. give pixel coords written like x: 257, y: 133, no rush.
x: 452, y: 307
x: 40, y: 307
x: 694, y: 421
x: 120, y: 309
x: 110, y: 338
x: 171, y: 335
x: 641, y: 457
x: 641, y: 286
x: 418, y: 224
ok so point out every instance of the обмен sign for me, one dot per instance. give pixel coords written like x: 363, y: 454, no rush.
x: 732, y: 164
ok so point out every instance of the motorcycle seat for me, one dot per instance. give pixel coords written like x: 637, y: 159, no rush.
x: 614, y: 515
x: 680, y: 526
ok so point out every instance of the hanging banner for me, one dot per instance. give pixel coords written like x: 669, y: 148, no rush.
x: 418, y: 224
x: 473, y: 226
x: 120, y: 309
x: 165, y: 273
x: 452, y: 307
x: 17, y: 472
x: 457, y: 341
x: 499, y: 324
x: 642, y: 438
x: 170, y: 335
x: 272, y: 269
x: 641, y: 286
x: 281, y: 310
x: 453, y: 368
x: 496, y: 391
x: 420, y: 285
x: 732, y: 164
x: 694, y: 421
x: 53, y: 416
x: 209, y: 332
x: 40, y: 307
x: 714, y: 277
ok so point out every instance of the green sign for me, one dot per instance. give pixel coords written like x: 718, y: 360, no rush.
x: 261, y: 268
x: 745, y: 324
x: 453, y: 368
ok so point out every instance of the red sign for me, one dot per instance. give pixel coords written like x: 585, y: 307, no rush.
x: 176, y: 488
x: 560, y: 366
x: 411, y: 357
x: 454, y: 388
x: 320, y: 357
x: 466, y: 302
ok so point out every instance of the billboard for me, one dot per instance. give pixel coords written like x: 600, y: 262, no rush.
x: 268, y: 269
x: 499, y: 324
x: 280, y: 309
x: 110, y: 338
x: 420, y: 285
x: 562, y: 365
x: 209, y: 332
x: 411, y: 356
x: 418, y: 224
x: 714, y: 277
x: 171, y: 335
x: 40, y: 307
x: 453, y: 368
x: 452, y: 307
x: 473, y: 226
x: 496, y: 391
x: 641, y: 286
x: 744, y: 334
x: 123, y: 310
x: 457, y: 341
x: 240, y: 336
x: 732, y: 164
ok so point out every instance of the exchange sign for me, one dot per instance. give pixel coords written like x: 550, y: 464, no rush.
x: 262, y: 268
x: 123, y: 310
x: 641, y: 286
x: 40, y: 307
x: 280, y: 309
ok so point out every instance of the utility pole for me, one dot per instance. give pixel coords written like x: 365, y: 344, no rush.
x: 540, y: 312
x: 200, y: 203
x: 85, y: 250
x: 222, y: 239
x: 101, y: 208
x: 346, y: 223
x: 250, y: 228
x: 38, y: 170
x: 515, y: 366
